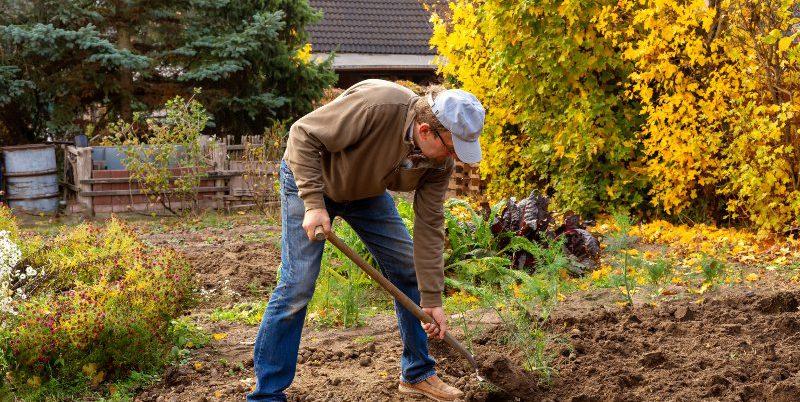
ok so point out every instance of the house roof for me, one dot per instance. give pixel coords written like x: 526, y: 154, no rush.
x: 371, y: 27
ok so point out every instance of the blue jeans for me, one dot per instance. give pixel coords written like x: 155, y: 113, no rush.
x: 378, y: 224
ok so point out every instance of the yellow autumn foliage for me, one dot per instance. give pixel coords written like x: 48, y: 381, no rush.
x: 684, y: 106
x: 556, y: 118
x: 715, y: 80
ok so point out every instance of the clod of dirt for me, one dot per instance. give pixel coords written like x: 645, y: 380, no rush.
x: 787, y: 390
x: 653, y: 359
x: 500, y: 371
x: 684, y: 313
x: 783, y: 302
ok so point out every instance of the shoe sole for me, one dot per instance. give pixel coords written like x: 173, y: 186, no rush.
x: 411, y: 391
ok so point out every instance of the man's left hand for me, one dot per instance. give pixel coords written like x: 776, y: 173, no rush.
x: 439, y: 329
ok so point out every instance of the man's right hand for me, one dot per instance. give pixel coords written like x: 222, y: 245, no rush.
x: 314, y: 218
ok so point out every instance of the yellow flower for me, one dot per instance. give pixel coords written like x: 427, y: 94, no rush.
x: 304, y: 53
x: 35, y: 381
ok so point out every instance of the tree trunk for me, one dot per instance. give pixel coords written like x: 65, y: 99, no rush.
x: 125, y: 76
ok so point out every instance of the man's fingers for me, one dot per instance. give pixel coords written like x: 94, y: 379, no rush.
x: 433, y: 330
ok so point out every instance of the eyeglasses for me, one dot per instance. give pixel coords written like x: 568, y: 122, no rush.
x: 450, y: 149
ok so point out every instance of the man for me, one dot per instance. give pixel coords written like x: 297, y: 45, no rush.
x: 340, y: 159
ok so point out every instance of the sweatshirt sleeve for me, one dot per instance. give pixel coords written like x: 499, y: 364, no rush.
x: 429, y: 235
x: 330, y: 128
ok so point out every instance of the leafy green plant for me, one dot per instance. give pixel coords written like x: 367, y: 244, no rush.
x: 469, y: 233
x: 165, y: 155
x: 96, y: 316
x: 249, y: 313
x: 712, y: 269
x: 620, y: 244
x: 658, y: 270
x: 186, y: 335
x: 523, y: 301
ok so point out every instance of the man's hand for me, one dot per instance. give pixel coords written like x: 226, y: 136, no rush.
x: 314, y: 218
x: 440, y: 328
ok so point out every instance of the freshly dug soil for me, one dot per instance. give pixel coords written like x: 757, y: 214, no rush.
x: 737, y: 344
x: 229, y: 263
x: 500, y: 371
x: 740, y: 345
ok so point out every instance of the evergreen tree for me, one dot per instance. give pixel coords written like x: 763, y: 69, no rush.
x: 70, y: 63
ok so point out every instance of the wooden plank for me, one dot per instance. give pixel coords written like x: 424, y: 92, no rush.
x: 83, y: 170
x: 115, y: 180
x: 219, y: 159
x: 70, y: 186
x: 104, y: 193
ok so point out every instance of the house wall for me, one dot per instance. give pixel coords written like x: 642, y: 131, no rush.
x: 355, y: 67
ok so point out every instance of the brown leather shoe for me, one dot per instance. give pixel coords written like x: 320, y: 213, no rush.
x: 433, y: 388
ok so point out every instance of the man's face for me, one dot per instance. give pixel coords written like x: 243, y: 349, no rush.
x: 435, y: 145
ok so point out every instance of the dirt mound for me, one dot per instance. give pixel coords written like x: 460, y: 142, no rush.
x: 237, y: 266
x: 509, y: 377
x: 737, y: 346
x: 229, y: 262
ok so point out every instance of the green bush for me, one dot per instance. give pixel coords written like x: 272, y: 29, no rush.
x: 102, y: 308
x: 165, y: 155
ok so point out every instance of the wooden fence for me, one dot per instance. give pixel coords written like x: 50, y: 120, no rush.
x: 234, y: 181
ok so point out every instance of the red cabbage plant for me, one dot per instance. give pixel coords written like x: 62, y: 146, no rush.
x: 531, y: 219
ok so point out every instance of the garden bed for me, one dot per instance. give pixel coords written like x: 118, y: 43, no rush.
x: 727, y: 334
x: 736, y: 342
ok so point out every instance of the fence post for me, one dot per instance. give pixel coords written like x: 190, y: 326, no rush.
x: 83, y: 171
x: 219, y: 157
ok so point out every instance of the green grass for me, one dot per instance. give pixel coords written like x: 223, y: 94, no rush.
x: 361, y: 340
x: 249, y: 313
x: 124, y: 390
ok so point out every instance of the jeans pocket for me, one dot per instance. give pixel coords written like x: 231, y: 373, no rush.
x: 288, y: 186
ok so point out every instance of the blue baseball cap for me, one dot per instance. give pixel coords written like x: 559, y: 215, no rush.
x: 461, y: 113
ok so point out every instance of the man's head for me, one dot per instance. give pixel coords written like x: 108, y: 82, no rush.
x: 448, y: 124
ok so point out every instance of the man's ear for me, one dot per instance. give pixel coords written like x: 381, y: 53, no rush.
x: 425, y: 131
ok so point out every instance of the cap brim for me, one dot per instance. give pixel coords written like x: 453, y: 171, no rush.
x: 467, y: 152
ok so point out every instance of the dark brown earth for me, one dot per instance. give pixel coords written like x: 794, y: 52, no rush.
x: 733, y: 344
x: 739, y: 345
x: 229, y: 264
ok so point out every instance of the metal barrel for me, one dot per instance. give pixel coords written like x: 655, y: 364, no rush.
x: 31, y: 177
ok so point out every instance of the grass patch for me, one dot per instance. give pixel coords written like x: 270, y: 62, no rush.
x: 362, y: 340
x: 249, y: 313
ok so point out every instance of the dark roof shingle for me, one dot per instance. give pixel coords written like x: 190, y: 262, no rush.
x: 371, y: 26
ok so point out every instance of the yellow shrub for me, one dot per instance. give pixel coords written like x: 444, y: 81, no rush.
x: 106, y: 300
x: 556, y: 118
x: 715, y: 81
x: 689, y: 105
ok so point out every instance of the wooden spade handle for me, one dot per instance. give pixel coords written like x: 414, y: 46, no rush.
x: 404, y: 300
